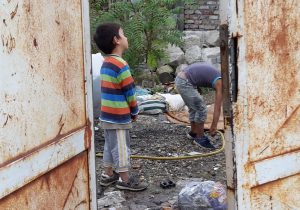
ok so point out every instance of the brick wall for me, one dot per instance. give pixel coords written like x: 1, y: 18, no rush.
x: 203, y: 15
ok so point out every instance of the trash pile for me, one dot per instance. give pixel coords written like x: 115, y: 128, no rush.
x: 208, y: 195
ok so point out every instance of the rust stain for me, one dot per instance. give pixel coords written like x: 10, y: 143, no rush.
x: 13, y: 13
x: 8, y: 42
x: 45, y: 183
x: 70, y: 190
x: 36, y: 26
x: 253, y: 56
x: 279, y: 36
x: 26, y: 6
x: 238, y: 110
x: 293, y: 119
x: 280, y: 41
x: 283, y: 191
x: 249, y: 169
x: 88, y: 134
x: 278, y: 154
x: 33, y: 150
x: 84, y: 202
x: 276, y: 144
x: 53, y: 190
x: 272, y: 43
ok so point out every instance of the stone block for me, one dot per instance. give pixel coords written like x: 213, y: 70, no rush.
x: 180, y: 68
x: 198, y: 12
x: 193, y: 54
x: 189, y: 21
x: 212, y: 2
x: 208, y: 27
x: 194, y: 26
x: 175, y: 56
x: 204, y: 7
x: 188, y: 12
x: 214, y: 17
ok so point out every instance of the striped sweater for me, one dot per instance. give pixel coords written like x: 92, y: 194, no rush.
x: 118, y: 100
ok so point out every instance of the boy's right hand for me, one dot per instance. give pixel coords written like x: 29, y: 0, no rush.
x: 134, y: 118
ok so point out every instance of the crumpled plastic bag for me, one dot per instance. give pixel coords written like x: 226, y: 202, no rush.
x: 175, y: 102
x: 207, y: 195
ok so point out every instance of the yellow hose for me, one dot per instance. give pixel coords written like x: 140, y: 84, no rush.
x: 180, y: 157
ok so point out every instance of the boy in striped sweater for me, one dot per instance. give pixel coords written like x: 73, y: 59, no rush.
x: 118, y: 107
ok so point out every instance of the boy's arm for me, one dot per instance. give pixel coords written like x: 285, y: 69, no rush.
x: 128, y: 88
x: 217, y: 107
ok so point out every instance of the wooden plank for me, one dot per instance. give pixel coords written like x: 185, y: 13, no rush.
x: 183, y: 118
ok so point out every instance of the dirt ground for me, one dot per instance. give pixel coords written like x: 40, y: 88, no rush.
x: 154, y: 136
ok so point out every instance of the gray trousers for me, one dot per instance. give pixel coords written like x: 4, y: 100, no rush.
x: 117, y: 149
x: 192, y: 99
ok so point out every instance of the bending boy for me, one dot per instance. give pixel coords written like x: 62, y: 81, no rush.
x: 187, y: 81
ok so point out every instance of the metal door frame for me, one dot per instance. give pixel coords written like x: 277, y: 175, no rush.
x: 89, y: 103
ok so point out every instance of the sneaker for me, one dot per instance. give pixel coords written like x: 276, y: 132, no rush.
x: 133, y: 185
x: 204, y: 142
x: 190, y: 135
x: 106, y: 180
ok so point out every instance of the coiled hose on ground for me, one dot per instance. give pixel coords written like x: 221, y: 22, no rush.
x: 179, y: 157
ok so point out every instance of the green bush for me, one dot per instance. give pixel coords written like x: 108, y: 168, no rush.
x: 150, y: 25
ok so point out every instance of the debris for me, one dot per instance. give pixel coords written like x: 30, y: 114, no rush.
x: 142, y: 91
x: 111, y: 199
x: 136, y: 165
x: 194, y: 153
x: 166, y: 184
x: 202, y: 195
x: 138, y: 207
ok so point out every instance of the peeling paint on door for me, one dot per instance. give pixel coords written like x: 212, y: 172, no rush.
x: 46, y: 131
x: 265, y: 132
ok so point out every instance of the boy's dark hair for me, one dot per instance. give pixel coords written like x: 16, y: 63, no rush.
x: 104, y: 36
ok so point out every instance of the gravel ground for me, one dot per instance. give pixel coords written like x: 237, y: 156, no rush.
x: 154, y: 136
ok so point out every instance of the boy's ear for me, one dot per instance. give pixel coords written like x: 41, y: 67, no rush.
x: 115, y: 40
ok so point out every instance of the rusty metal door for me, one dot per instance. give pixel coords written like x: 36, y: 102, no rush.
x: 261, y: 65
x: 46, y: 120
